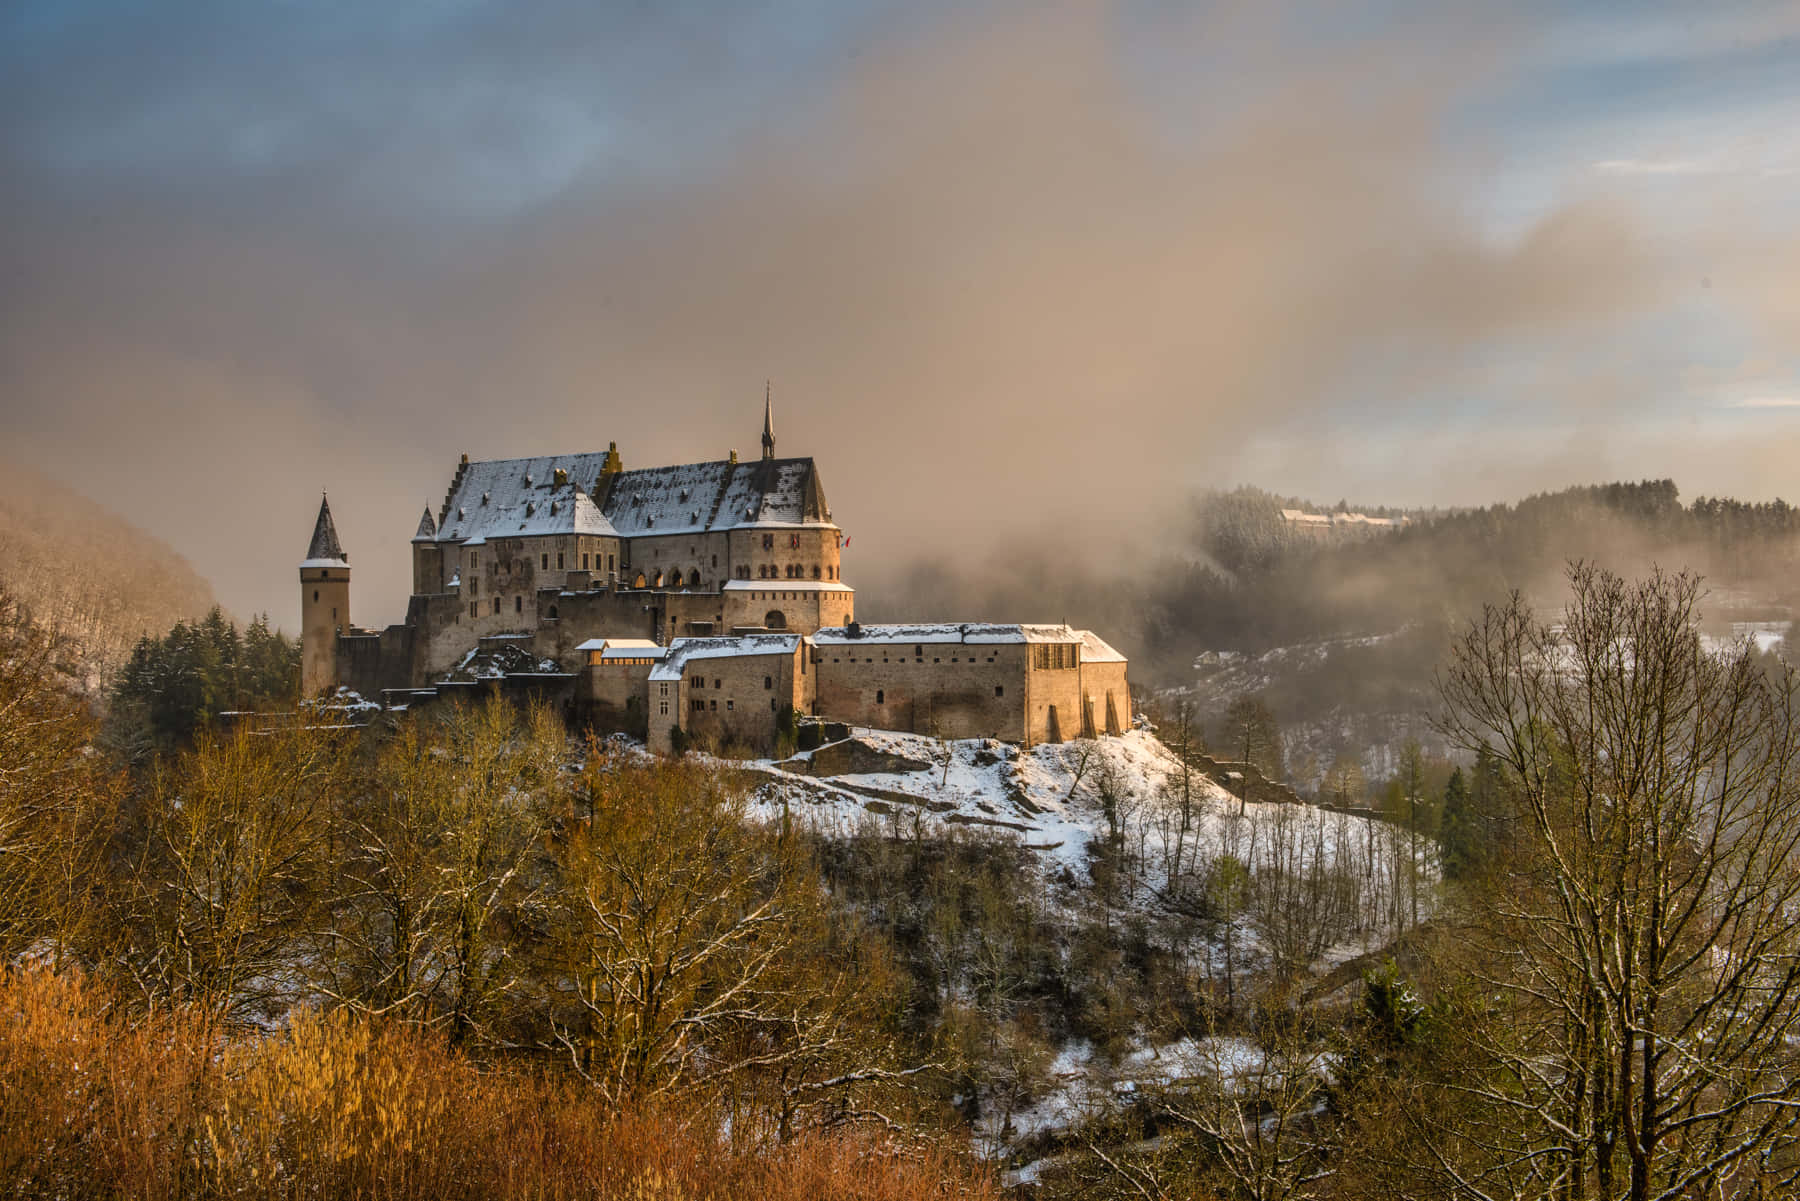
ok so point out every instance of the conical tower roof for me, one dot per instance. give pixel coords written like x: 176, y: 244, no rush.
x: 325, y: 550
x: 427, y: 530
x: 768, y: 437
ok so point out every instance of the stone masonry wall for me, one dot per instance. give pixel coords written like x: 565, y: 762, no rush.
x: 955, y: 690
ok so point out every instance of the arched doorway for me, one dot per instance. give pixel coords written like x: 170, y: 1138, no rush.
x: 775, y: 619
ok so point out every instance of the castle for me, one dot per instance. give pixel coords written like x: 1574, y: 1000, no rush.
x: 698, y: 602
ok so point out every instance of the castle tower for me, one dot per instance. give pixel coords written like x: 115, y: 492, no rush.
x: 324, y: 605
x: 768, y: 424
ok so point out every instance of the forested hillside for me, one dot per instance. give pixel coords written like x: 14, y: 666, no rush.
x: 86, y: 572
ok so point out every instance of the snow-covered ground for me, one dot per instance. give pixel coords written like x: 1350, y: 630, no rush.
x: 1053, y: 797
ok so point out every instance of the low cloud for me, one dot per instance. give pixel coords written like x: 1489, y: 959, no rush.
x: 1013, y: 279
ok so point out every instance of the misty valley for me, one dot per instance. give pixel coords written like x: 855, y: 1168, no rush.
x: 894, y: 601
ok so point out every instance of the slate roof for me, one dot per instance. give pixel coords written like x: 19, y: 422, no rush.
x: 427, y: 530
x: 489, y: 499
x: 324, y: 550
x: 521, y: 512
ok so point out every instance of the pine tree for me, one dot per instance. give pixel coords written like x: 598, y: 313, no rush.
x: 1461, y: 846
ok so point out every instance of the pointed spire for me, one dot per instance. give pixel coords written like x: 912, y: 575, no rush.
x: 427, y: 527
x: 325, y: 549
x: 768, y: 438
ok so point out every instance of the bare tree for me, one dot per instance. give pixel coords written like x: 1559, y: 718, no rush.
x: 1645, y: 954
x: 699, y: 958
x: 52, y: 827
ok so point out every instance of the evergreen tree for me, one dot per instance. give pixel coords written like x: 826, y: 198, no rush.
x: 173, y: 685
x: 1460, y: 843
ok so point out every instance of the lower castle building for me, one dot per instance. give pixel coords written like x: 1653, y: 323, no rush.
x: 703, y: 599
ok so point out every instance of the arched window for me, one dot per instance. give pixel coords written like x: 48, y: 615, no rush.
x: 815, y: 571
x: 768, y: 683
x: 659, y: 579
x: 552, y: 612
x: 694, y: 578
x: 640, y: 580
x: 775, y: 619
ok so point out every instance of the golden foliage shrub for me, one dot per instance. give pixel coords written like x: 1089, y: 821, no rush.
x: 98, y: 1102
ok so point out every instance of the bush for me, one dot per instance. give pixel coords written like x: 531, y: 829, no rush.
x: 97, y: 1103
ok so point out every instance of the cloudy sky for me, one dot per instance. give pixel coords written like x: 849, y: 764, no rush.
x: 1017, y: 271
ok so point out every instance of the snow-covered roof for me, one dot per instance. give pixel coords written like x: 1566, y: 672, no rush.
x: 489, y: 499
x: 520, y: 512
x: 786, y: 586
x: 684, y: 650
x: 427, y: 530
x: 1095, y: 649
x: 600, y: 644
x: 938, y: 633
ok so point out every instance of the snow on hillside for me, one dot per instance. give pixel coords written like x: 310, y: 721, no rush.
x: 1049, y: 796
x: 1053, y: 797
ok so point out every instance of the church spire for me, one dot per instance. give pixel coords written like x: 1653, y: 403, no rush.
x: 768, y: 439
x: 325, y: 547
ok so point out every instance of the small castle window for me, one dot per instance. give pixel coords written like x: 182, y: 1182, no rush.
x: 768, y: 542
x: 518, y: 604
x: 729, y: 704
x: 718, y: 683
x: 552, y: 612
x: 546, y: 564
x: 772, y: 708
x: 815, y: 571
x: 715, y: 706
x: 609, y: 562
x: 315, y: 596
x: 880, y: 697
x: 496, y: 606
x: 559, y: 560
x: 999, y: 690
x: 768, y: 683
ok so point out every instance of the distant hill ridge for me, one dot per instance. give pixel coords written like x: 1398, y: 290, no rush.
x: 88, y: 573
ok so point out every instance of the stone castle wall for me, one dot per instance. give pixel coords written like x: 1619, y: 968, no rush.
x: 951, y: 690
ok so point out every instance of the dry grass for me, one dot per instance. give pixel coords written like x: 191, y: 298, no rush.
x: 96, y: 1101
